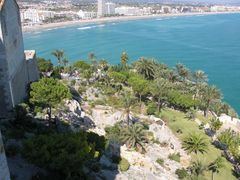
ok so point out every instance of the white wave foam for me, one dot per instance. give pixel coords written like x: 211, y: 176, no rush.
x: 90, y: 27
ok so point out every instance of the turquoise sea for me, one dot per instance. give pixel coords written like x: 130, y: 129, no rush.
x: 210, y: 43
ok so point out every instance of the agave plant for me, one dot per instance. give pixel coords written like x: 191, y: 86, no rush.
x: 134, y: 136
x: 195, y: 143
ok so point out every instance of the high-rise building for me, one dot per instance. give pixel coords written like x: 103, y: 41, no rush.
x: 17, y: 67
x: 110, y: 8
x: 101, y: 8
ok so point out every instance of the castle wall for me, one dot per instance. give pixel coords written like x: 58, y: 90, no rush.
x: 32, y: 68
x: 12, y: 36
x: 4, y: 171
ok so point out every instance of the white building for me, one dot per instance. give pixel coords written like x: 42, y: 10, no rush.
x: 101, y: 8
x: 35, y: 16
x: 86, y: 14
x: 128, y: 11
x: 110, y: 8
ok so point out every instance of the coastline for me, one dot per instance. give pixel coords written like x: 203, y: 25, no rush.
x: 111, y: 19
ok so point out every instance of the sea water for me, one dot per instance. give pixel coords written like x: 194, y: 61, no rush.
x: 210, y: 43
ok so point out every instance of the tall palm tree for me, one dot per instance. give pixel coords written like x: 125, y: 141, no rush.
x: 216, y: 165
x: 128, y: 100
x: 209, y: 94
x: 197, y: 169
x: 59, y: 54
x: 134, y: 136
x: 124, y: 59
x: 183, y: 72
x: 159, y: 90
x: 199, y: 77
x: 195, y: 143
x: 145, y: 67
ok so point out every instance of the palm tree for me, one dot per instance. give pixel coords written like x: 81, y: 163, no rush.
x: 124, y: 59
x: 183, y: 72
x: 195, y: 143
x: 159, y: 90
x: 209, y: 94
x: 59, y: 54
x: 199, y: 77
x: 134, y: 136
x: 128, y: 100
x: 145, y: 67
x: 216, y: 165
x: 65, y: 61
x: 197, y: 169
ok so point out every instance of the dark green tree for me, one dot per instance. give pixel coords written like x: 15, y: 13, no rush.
x: 48, y: 93
x: 44, y: 65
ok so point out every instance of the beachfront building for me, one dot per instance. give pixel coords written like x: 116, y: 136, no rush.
x: 86, y: 14
x: 17, y: 68
x: 101, y: 8
x: 110, y: 8
x: 34, y: 16
x: 128, y: 11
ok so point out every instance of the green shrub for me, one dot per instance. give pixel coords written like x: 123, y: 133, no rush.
x: 124, y: 165
x: 182, y: 173
x: 64, y: 154
x: 151, y: 108
x: 175, y: 157
x: 113, y: 133
x: 180, y: 100
x: 160, y: 161
x: 81, y: 65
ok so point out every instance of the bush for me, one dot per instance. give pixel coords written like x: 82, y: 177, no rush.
x: 64, y: 154
x: 113, y: 133
x: 81, y: 65
x: 182, y: 173
x: 175, y: 157
x: 182, y: 101
x: 151, y: 108
x: 160, y: 161
x: 124, y: 165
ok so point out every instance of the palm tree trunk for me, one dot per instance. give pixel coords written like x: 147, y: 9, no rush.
x: 159, y: 104
x: 212, y: 175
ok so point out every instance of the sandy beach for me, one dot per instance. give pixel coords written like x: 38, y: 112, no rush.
x: 110, y: 19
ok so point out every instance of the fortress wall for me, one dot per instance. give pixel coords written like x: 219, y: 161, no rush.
x: 4, y: 171
x: 33, y: 73
x: 18, y: 84
x: 12, y: 38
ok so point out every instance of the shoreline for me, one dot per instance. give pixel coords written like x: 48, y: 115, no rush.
x: 111, y: 19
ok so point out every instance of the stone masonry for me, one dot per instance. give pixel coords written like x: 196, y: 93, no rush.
x: 17, y: 68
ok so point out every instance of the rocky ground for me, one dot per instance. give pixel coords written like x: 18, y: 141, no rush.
x: 143, y: 166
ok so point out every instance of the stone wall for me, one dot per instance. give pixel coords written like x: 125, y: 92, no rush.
x: 16, y: 72
x: 4, y: 171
